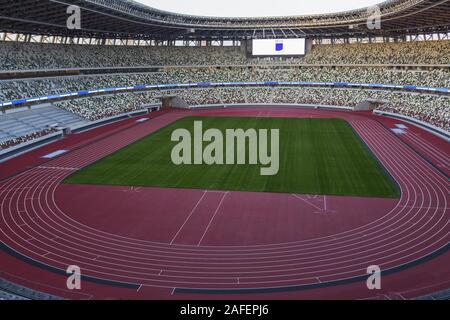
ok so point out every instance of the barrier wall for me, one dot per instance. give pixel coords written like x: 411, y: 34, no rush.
x: 29, y: 146
x: 258, y: 105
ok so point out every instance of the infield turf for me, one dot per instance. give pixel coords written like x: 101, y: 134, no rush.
x: 317, y: 156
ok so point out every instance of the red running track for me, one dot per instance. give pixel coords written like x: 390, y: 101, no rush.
x: 195, y: 251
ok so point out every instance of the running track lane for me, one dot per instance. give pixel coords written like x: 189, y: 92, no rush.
x: 33, y: 225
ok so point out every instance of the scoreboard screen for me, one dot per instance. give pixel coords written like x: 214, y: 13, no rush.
x: 279, y: 47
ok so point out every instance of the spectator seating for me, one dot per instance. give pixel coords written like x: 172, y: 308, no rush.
x: 364, y: 63
x: 35, y: 56
x: 25, y: 125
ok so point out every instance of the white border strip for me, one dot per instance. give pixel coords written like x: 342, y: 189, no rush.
x: 418, y: 123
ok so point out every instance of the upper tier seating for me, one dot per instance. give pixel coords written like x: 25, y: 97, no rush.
x: 32, y: 56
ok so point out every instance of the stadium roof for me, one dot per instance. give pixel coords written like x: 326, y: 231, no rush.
x: 128, y: 19
x: 256, y: 8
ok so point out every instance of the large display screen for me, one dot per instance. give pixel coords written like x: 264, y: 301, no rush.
x: 279, y: 47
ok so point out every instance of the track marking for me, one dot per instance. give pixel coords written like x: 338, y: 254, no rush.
x: 425, y: 207
x: 189, y: 217
x: 210, y: 222
x: 424, y: 144
x: 409, y: 181
x: 306, y: 201
x: 133, y: 190
x: 15, y: 189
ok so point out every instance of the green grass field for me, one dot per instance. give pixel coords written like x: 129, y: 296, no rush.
x: 317, y: 156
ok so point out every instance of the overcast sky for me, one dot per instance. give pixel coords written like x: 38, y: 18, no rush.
x: 258, y: 8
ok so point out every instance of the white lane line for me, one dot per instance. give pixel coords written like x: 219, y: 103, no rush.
x: 306, y: 201
x: 189, y: 217
x: 212, y: 219
x: 429, y: 146
x: 429, y: 152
